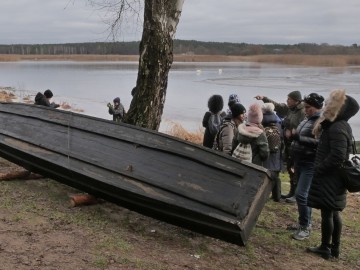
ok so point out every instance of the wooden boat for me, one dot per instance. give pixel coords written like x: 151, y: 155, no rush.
x: 152, y: 173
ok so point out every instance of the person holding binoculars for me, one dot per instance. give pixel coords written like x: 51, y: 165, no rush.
x: 117, y: 110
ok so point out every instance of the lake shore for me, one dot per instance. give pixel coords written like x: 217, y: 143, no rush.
x: 288, y: 59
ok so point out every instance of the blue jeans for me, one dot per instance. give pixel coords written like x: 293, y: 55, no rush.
x: 304, y: 172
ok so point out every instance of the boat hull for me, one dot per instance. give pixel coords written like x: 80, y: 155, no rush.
x: 143, y: 170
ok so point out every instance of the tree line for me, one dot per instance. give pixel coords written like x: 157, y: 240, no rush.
x: 180, y: 47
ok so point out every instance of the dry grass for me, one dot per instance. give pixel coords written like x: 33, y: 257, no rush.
x: 178, y: 131
x: 67, y: 106
x: 6, y: 96
x: 288, y: 59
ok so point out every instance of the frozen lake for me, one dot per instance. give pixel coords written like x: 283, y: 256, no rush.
x: 91, y: 85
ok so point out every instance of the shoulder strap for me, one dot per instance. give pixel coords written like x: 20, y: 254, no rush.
x: 354, y: 145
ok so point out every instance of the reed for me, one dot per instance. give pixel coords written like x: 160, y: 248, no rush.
x: 177, y: 130
x: 287, y: 59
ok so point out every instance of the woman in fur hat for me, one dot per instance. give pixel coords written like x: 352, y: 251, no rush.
x: 327, y: 191
x: 215, y: 105
x: 252, y: 133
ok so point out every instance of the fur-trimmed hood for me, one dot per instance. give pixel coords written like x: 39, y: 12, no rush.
x: 338, y: 106
x: 248, y: 130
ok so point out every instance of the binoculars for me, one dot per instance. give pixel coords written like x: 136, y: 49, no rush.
x: 109, y: 105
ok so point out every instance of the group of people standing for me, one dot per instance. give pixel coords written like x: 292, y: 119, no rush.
x: 315, y: 140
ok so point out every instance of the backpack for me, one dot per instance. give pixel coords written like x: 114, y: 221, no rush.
x: 273, y: 137
x: 214, y: 123
x: 243, y: 152
x: 216, y: 145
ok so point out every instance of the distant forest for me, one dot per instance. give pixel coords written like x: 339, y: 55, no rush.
x: 188, y: 47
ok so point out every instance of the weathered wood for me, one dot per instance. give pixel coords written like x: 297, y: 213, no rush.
x: 147, y: 171
x: 82, y: 199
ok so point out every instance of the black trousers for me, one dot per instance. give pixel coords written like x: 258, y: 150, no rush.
x: 331, y: 226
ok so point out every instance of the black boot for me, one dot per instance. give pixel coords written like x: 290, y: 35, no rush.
x: 276, y: 191
x: 323, y: 251
x: 291, y: 192
x: 335, y: 250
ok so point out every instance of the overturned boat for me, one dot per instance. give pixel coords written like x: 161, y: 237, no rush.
x: 152, y: 173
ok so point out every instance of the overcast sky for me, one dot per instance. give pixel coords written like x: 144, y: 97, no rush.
x: 249, y: 21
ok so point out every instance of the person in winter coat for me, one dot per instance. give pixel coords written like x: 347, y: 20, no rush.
x: 293, y: 113
x: 303, y: 150
x: 44, y: 99
x: 252, y: 133
x: 117, y: 110
x: 327, y: 191
x: 215, y: 105
x: 229, y: 127
x: 274, y: 161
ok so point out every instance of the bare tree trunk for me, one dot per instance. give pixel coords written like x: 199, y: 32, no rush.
x: 161, y: 18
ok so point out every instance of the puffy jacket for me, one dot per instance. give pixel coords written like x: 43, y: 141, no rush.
x: 327, y: 189
x: 226, y: 136
x: 304, y: 143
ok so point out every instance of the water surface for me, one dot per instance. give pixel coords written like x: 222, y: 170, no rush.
x: 91, y: 85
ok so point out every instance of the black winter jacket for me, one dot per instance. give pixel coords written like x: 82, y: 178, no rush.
x: 40, y: 99
x: 327, y: 190
x: 303, y: 147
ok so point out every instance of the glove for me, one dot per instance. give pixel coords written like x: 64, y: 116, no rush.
x: 109, y: 105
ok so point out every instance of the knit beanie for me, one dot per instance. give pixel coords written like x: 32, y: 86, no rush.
x: 295, y: 95
x: 48, y: 93
x: 237, y: 109
x: 314, y: 100
x: 268, y: 107
x: 255, y: 114
x: 116, y: 100
x: 234, y: 98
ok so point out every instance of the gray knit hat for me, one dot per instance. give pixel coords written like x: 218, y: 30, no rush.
x: 295, y: 95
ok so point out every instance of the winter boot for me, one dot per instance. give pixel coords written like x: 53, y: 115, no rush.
x: 276, y: 191
x: 292, y: 189
x: 322, y: 250
x: 335, y: 250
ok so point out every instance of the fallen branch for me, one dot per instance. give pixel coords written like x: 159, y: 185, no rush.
x: 82, y: 199
x: 16, y: 175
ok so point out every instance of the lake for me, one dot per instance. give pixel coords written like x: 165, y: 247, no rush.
x: 91, y: 85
